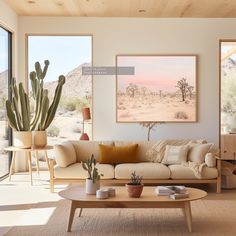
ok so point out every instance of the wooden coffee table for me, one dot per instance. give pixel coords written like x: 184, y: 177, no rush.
x: 148, y: 199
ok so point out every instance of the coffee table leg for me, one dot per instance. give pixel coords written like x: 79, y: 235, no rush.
x: 80, y: 211
x: 188, y: 215
x: 71, y: 216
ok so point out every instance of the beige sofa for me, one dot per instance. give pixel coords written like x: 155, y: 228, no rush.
x: 66, y: 167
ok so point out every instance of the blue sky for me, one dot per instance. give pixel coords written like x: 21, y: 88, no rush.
x: 3, y: 50
x: 64, y: 53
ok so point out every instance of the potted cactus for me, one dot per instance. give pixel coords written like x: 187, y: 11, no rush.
x: 93, y: 180
x: 18, y: 113
x: 44, y: 112
x: 135, y: 187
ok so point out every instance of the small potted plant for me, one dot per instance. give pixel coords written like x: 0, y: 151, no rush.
x: 135, y: 187
x: 93, y: 180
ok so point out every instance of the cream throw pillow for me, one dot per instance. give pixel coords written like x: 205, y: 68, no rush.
x: 210, y: 160
x: 197, y: 152
x: 175, y: 154
x: 65, y: 154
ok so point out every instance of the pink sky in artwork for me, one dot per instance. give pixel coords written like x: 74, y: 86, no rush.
x: 157, y: 72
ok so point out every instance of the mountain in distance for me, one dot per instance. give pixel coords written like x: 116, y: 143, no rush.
x: 228, y: 66
x: 76, y: 85
x: 4, y: 84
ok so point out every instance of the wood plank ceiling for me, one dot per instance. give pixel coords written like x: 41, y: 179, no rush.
x: 125, y: 8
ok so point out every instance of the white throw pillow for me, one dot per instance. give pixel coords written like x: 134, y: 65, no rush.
x: 175, y: 154
x: 197, y: 152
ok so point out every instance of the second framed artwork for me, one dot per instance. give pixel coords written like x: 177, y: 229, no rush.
x: 163, y: 88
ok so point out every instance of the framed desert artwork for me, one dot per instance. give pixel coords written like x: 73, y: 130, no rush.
x: 163, y: 88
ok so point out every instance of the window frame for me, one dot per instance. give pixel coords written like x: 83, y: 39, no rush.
x: 27, y: 35
x: 10, y: 68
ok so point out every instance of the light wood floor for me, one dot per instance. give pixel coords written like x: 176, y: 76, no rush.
x: 33, y: 210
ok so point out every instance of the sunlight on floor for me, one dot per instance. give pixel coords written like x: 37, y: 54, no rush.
x: 38, y: 216
x: 25, y: 205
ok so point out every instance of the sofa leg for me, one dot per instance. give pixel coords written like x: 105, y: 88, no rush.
x: 51, y: 175
x: 218, y: 185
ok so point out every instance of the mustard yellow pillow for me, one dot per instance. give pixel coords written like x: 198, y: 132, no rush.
x: 118, y: 154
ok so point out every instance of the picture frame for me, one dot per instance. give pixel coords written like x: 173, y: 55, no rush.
x: 163, y: 89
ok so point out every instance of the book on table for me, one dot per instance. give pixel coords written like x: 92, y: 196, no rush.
x: 176, y: 192
x: 176, y: 196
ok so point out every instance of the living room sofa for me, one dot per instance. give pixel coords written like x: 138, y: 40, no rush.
x: 66, y: 167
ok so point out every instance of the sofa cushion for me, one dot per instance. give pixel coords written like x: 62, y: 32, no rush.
x: 197, y: 152
x: 76, y: 171
x: 118, y: 154
x: 146, y: 169
x: 143, y: 147
x: 183, y: 172
x: 65, y: 154
x: 84, y: 149
x: 175, y: 154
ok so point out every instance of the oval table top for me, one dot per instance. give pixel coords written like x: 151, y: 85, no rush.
x: 33, y: 148
x: 77, y: 193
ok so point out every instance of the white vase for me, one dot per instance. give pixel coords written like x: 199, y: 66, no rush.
x: 91, y: 187
x: 22, y: 139
x: 40, y: 138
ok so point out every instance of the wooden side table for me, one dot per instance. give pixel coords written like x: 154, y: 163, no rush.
x: 28, y: 152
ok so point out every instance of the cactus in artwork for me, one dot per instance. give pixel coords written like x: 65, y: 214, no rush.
x: 44, y: 112
x: 18, y: 110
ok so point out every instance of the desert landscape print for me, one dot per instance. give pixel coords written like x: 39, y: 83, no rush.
x: 162, y: 89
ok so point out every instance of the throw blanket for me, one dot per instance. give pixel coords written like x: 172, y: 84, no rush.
x: 157, y: 152
x: 195, y: 167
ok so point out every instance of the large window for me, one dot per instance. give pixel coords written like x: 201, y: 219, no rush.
x: 5, y: 74
x: 67, y: 56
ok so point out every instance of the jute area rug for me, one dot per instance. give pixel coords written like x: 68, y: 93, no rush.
x: 210, y: 217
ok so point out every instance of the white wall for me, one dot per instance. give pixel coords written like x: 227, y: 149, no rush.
x: 145, y: 36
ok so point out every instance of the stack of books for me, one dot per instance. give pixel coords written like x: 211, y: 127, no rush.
x: 174, y: 192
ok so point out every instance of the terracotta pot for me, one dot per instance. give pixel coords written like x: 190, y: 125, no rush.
x: 22, y: 139
x: 91, y: 187
x: 40, y: 139
x: 134, y: 190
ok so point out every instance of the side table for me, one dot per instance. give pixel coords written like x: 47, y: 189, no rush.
x: 28, y: 152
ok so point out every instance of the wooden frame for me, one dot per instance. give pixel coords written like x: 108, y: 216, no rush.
x: 161, y: 55
x: 60, y: 34
x: 217, y: 181
x: 220, y: 43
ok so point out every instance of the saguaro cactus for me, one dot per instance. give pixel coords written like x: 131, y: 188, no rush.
x: 44, y: 113
x: 18, y: 110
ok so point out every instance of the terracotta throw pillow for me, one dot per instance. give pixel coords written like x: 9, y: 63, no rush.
x: 175, y: 154
x: 118, y: 154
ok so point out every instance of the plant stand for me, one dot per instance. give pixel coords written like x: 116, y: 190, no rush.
x: 28, y: 152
